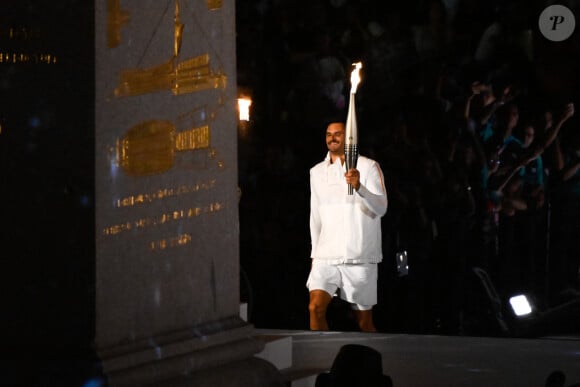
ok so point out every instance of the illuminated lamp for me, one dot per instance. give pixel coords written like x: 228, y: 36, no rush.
x: 521, y: 305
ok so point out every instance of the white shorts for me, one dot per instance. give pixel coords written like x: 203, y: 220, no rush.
x: 357, y: 282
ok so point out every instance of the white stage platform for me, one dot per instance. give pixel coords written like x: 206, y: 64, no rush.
x: 427, y: 360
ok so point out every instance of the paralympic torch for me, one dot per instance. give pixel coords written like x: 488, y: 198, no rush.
x: 351, y: 141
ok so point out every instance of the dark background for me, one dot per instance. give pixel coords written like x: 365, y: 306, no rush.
x: 47, y: 192
x: 419, y: 60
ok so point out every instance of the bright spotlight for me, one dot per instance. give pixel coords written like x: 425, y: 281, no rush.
x: 521, y: 305
x: 244, y: 108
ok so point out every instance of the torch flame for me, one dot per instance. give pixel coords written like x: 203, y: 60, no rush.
x: 355, y: 77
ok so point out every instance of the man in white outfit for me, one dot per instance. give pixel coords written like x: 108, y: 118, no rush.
x: 345, y: 232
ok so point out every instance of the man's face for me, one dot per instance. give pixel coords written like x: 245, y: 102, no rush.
x: 335, y: 138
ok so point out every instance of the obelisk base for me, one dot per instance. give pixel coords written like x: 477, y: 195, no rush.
x: 201, y: 356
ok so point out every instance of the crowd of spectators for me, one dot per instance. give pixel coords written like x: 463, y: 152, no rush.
x: 470, y: 112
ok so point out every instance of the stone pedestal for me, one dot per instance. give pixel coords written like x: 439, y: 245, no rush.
x: 167, y: 248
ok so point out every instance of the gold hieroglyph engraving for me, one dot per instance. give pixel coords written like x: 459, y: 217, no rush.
x: 196, y: 138
x: 214, y: 4
x: 24, y: 45
x: 182, y: 77
x: 178, y: 31
x: 149, y: 147
x: 164, y: 193
x: 179, y: 240
x: 163, y: 218
x: 188, y: 76
x: 116, y: 18
x: 21, y: 57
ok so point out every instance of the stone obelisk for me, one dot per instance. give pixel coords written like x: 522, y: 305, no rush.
x: 167, y: 256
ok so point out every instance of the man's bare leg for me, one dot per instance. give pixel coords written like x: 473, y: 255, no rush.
x: 364, y: 319
x: 319, y: 300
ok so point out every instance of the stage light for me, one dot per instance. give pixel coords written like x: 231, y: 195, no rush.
x: 523, y: 315
x: 244, y: 108
x: 521, y: 305
x: 244, y: 103
x: 402, y: 263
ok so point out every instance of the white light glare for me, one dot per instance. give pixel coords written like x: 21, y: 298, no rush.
x: 520, y: 305
x: 402, y: 263
x: 244, y: 108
